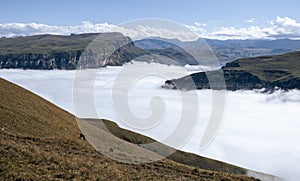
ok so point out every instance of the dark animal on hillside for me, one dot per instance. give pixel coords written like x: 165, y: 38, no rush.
x: 81, y: 136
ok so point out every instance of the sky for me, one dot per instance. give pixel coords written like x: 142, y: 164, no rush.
x: 208, y: 17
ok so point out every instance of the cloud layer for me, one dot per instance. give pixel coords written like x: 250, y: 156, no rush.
x: 259, y: 131
x: 282, y: 27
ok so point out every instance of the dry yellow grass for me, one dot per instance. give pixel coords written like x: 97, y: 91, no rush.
x: 40, y: 141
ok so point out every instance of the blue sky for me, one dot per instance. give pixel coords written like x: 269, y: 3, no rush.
x: 215, y: 14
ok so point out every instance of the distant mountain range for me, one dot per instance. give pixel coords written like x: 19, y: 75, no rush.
x: 40, y: 141
x: 64, y: 52
x: 268, y: 72
x: 230, y: 50
x: 227, y: 50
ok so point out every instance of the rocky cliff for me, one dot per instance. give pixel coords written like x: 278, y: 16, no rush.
x: 64, y: 52
x: 60, y: 60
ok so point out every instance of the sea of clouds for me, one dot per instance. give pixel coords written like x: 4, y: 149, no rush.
x: 259, y: 131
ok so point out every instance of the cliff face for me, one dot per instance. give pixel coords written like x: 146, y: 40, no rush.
x: 64, y: 52
x: 61, y: 60
x: 234, y: 80
x: 271, y: 72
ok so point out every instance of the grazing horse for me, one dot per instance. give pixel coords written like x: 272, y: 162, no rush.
x: 81, y: 136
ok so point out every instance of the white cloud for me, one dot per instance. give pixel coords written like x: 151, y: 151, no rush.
x: 26, y: 29
x: 251, y: 20
x: 252, y: 32
x: 285, y: 28
x: 282, y: 27
x: 197, y: 27
x: 200, y: 24
x: 181, y: 32
x: 276, y: 29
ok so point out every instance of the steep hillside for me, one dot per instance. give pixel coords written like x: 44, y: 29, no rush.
x: 161, y: 149
x: 267, y: 72
x: 39, y: 141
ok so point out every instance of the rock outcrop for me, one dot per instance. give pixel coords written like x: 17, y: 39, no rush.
x: 268, y: 73
x: 234, y: 80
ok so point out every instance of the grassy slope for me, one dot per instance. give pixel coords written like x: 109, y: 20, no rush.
x: 177, y: 156
x: 270, y: 68
x: 41, y: 141
x: 48, y: 44
x: 45, y: 44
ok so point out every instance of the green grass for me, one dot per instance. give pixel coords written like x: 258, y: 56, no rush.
x: 270, y: 68
x: 45, y: 44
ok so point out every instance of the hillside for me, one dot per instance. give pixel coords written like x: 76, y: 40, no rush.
x: 39, y: 141
x: 63, y: 52
x: 161, y: 149
x: 269, y: 72
x: 270, y: 68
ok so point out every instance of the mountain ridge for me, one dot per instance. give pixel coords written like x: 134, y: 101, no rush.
x: 64, y: 51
